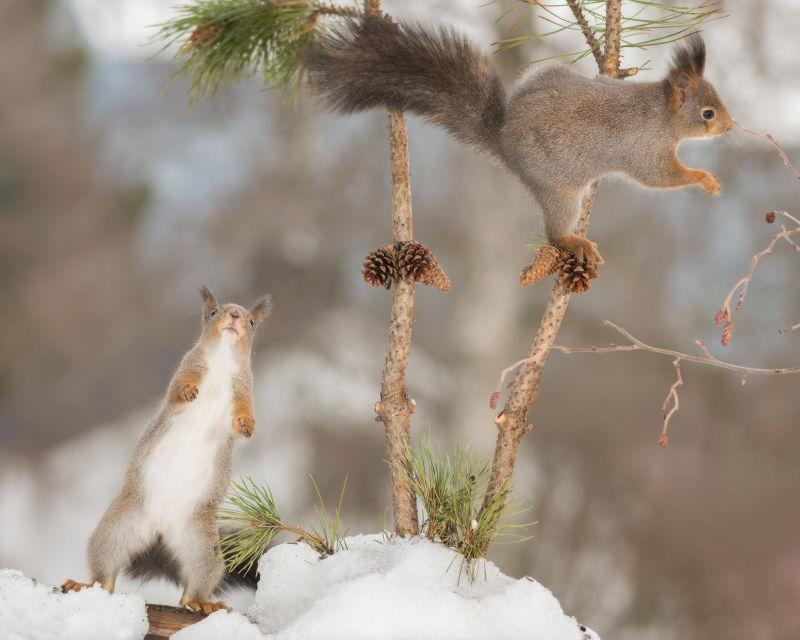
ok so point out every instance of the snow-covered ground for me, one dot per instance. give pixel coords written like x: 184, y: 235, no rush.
x: 32, y: 611
x: 378, y: 588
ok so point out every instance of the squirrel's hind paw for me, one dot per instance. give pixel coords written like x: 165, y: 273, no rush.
x: 203, y: 606
x: 582, y: 248
x: 72, y: 585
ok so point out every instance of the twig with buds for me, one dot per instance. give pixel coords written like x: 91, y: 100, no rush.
x: 671, y: 403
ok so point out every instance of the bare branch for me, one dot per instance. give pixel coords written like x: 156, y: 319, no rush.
x: 672, y: 403
x: 725, y: 314
x: 672, y: 397
x: 769, y: 138
x: 611, y: 41
x: 588, y: 33
x: 395, y: 406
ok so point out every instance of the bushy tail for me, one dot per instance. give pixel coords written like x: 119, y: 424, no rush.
x: 435, y: 73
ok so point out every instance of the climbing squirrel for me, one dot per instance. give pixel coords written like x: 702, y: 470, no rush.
x: 557, y: 131
x: 163, y: 522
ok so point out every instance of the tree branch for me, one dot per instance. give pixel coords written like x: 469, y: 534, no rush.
x: 395, y: 407
x: 588, y: 34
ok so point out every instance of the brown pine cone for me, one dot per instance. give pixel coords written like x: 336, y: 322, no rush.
x: 380, y: 267
x: 414, y: 260
x: 574, y: 275
x: 545, y: 262
x: 201, y: 37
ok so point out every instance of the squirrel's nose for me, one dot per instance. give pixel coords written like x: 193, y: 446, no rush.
x: 235, y: 314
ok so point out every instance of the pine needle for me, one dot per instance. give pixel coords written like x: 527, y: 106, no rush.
x: 646, y: 24
x: 450, y: 488
x: 252, y: 512
x: 225, y: 40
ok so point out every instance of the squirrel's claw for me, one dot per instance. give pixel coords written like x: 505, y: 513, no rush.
x: 581, y: 248
x: 203, y: 606
x: 72, y: 585
x: 244, y: 425
x: 188, y: 392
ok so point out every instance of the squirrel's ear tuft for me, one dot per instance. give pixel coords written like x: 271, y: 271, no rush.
x: 688, y: 64
x: 209, y: 301
x: 261, y: 309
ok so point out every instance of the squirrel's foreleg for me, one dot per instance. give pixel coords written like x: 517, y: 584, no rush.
x: 243, y: 421
x: 671, y: 173
x: 184, y: 386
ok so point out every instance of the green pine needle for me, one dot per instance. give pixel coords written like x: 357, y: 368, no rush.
x: 224, y: 40
x: 252, y: 510
x: 644, y: 23
x: 255, y: 520
x: 450, y: 488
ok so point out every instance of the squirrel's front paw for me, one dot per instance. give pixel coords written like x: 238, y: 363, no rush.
x: 710, y: 183
x: 244, y: 425
x: 188, y: 392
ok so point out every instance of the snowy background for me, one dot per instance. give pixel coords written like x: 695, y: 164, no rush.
x: 117, y: 200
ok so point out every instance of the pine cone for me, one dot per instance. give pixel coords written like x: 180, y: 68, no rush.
x: 380, y: 267
x: 414, y: 260
x: 201, y: 37
x: 545, y: 262
x: 437, y: 278
x: 576, y: 276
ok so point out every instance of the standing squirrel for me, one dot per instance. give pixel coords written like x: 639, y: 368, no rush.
x: 557, y: 131
x: 163, y: 522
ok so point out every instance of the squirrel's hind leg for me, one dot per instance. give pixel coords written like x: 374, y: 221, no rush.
x: 118, y: 537
x: 202, y: 569
x: 560, y: 210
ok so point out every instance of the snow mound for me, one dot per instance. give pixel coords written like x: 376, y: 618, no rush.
x: 32, y: 611
x: 222, y: 625
x: 395, y: 589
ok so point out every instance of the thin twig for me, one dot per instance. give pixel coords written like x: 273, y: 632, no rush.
x: 726, y: 312
x: 594, y: 45
x: 672, y: 396
x: 769, y: 138
x: 707, y: 359
x: 672, y: 403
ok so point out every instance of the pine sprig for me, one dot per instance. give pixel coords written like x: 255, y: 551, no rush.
x: 450, y: 487
x: 255, y: 519
x: 645, y: 23
x: 225, y: 40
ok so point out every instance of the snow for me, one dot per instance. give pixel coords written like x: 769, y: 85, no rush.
x: 378, y: 588
x: 389, y: 589
x: 222, y: 625
x: 29, y: 610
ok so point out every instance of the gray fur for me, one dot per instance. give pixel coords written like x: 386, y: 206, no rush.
x: 557, y: 131
x: 189, y: 554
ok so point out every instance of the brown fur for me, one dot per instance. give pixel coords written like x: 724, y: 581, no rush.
x: 117, y: 543
x: 557, y: 131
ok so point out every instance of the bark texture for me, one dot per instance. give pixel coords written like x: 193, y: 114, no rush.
x: 164, y: 620
x: 395, y: 407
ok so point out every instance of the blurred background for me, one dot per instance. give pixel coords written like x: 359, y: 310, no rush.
x: 117, y: 200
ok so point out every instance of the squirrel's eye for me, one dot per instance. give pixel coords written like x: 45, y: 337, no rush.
x: 212, y: 313
x: 252, y: 322
x: 708, y: 114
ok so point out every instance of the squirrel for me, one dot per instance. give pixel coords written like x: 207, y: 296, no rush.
x: 557, y: 130
x: 163, y: 521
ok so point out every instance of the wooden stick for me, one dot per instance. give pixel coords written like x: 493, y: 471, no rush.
x: 395, y: 406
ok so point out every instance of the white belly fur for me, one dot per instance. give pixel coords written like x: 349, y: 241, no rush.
x: 179, y: 472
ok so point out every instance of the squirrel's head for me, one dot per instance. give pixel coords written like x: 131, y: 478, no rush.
x: 697, y: 108
x: 231, y: 321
